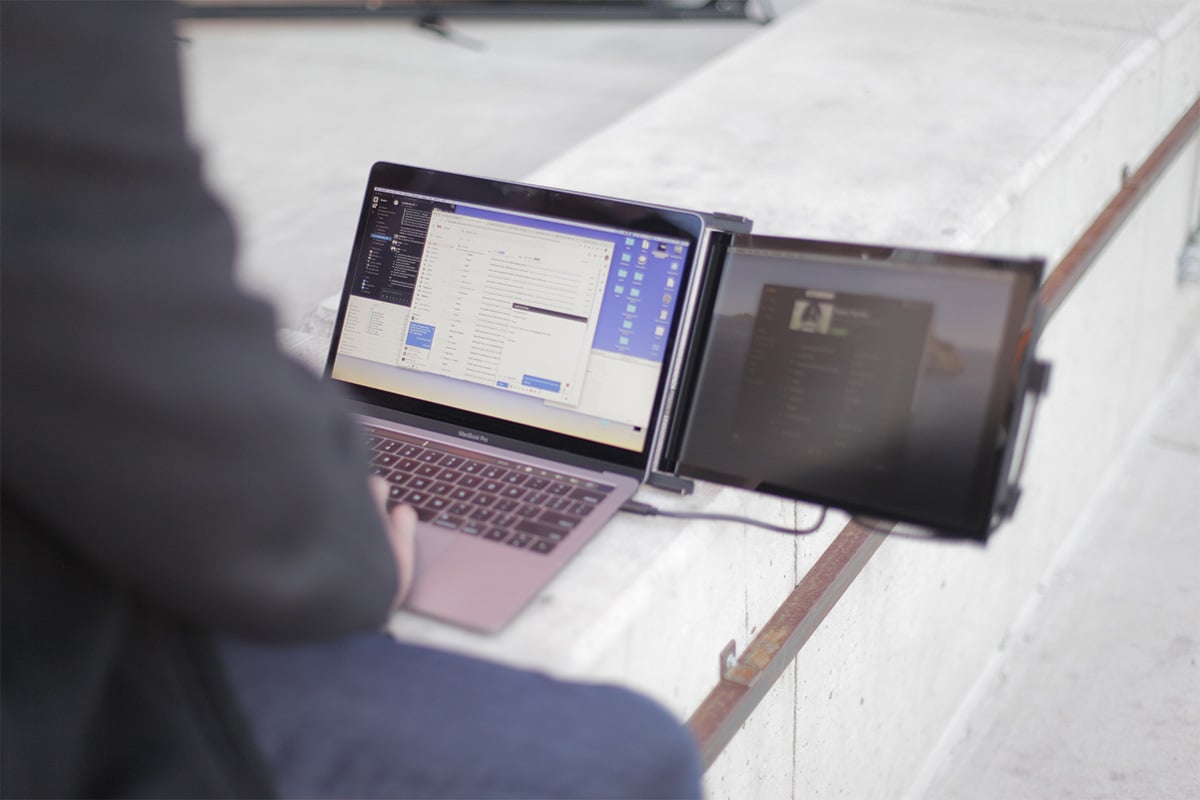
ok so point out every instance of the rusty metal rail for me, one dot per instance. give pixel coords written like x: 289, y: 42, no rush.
x: 747, y: 681
x: 1079, y: 258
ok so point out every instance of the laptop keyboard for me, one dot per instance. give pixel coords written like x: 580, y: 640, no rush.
x: 495, y: 499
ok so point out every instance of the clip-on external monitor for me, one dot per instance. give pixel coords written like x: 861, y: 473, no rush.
x: 886, y: 382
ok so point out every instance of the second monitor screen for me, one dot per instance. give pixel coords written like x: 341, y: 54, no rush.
x: 865, y: 386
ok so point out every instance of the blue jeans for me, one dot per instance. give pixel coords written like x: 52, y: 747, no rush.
x: 369, y: 716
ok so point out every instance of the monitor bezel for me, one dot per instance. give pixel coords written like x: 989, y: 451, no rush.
x: 1005, y: 400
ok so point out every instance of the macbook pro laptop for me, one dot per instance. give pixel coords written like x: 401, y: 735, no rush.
x: 508, y: 348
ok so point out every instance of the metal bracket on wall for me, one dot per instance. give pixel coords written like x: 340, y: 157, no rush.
x: 1189, y: 260
x: 728, y: 661
x: 746, y: 680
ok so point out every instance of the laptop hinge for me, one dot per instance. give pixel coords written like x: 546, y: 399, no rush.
x: 670, y: 483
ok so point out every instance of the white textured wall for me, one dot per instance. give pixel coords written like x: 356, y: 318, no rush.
x: 870, y: 695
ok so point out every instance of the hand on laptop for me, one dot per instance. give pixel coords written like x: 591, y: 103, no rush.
x: 401, y: 525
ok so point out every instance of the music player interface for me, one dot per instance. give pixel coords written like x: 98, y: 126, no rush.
x: 828, y: 382
x: 849, y: 382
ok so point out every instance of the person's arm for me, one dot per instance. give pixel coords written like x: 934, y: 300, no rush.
x: 149, y: 421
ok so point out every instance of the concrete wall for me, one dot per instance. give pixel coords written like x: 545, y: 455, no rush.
x: 1000, y: 127
x: 978, y: 124
x: 869, y: 697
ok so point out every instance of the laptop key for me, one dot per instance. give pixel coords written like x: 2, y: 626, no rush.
x: 542, y: 546
x: 496, y: 534
x: 449, y: 521
x: 587, y: 495
x: 520, y: 540
x: 581, y: 509
x: 471, y: 528
x: 539, y: 529
x: 564, y: 522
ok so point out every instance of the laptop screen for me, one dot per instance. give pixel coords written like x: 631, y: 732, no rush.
x: 513, y: 311
x: 870, y: 379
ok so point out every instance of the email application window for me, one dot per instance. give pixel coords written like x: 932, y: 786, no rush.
x: 506, y: 305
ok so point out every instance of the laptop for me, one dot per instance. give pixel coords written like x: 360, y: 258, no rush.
x: 509, y: 349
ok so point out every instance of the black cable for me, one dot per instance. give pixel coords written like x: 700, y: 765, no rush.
x: 883, y: 527
x: 647, y: 510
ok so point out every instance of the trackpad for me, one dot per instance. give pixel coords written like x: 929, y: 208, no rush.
x: 432, y: 544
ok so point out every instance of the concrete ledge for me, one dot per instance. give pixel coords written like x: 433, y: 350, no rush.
x: 976, y: 124
x: 987, y: 126
x: 922, y: 123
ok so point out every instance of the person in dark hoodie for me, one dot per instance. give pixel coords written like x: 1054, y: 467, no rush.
x: 194, y: 574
